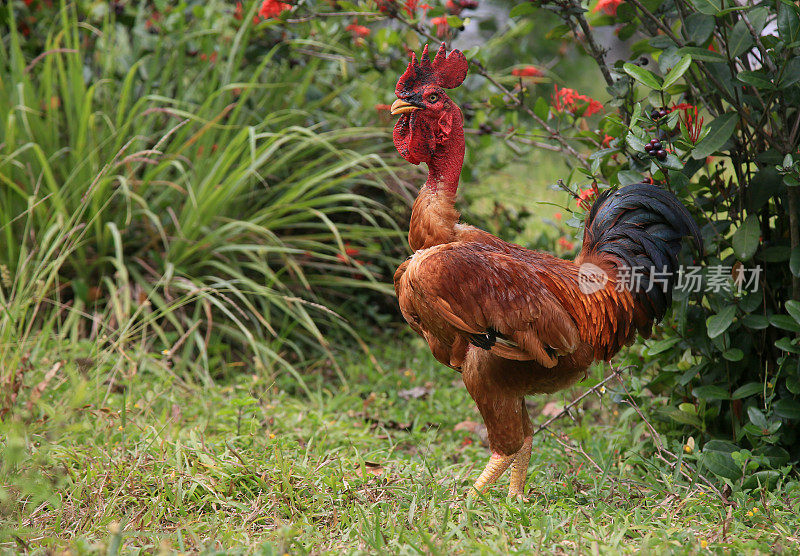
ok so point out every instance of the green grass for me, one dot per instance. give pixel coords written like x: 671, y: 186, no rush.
x: 146, y: 460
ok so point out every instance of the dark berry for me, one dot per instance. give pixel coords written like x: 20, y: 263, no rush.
x: 654, y: 115
x: 648, y: 147
x: 662, y: 112
x: 661, y: 155
x: 656, y: 146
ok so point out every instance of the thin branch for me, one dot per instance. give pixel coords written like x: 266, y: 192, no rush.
x: 513, y: 98
x: 597, y: 52
x: 674, y: 462
x: 593, y: 390
x: 333, y: 14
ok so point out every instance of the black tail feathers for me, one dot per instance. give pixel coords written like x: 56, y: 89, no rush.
x: 641, y: 226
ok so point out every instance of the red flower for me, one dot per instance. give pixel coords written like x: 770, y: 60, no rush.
x: 358, y: 30
x: 455, y: 7
x: 606, y: 141
x: 694, y: 125
x: 608, y: 6
x: 411, y: 7
x: 527, y: 71
x: 382, y: 107
x: 272, y: 8
x: 567, y: 99
x: 238, y: 12
x: 586, y: 196
x: 441, y: 25
x: 566, y: 244
x: 557, y: 216
x: 425, y: 7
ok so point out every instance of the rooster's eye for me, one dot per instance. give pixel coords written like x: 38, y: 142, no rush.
x: 433, y: 98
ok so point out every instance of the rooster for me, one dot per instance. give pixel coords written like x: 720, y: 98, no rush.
x: 517, y: 322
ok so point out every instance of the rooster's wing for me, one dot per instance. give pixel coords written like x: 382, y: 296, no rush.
x: 461, y: 293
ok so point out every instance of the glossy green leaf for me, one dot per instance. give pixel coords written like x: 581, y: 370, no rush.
x: 719, y: 323
x: 733, y: 354
x: 755, y: 78
x: 721, y: 464
x: 787, y: 408
x: 786, y: 344
x: 708, y: 7
x: 699, y: 27
x: 646, y: 77
x: 710, y: 392
x: 523, y: 9
x: 794, y: 261
x: 746, y: 239
x: 784, y: 322
x: 793, y: 308
x: 677, y: 71
x: 747, y: 390
x: 739, y: 40
x: 756, y: 322
x: 719, y: 131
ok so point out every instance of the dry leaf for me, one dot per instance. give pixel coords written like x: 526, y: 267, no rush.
x: 414, y: 393
x: 551, y: 409
x: 478, y: 429
x: 371, y: 468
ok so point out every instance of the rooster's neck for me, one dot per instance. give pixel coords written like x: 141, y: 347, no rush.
x: 444, y: 166
x: 434, y: 216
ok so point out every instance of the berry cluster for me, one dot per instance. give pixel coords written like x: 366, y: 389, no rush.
x: 654, y: 148
x: 658, y: 113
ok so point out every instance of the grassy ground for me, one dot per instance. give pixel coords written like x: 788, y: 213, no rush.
x: 343, y: 462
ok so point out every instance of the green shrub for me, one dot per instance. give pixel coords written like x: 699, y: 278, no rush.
x: 216, y: 209
x: 728, y: 81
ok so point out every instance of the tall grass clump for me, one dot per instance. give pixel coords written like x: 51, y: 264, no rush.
x: 209, y: 209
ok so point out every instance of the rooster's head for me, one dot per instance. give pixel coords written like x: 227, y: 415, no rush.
x: 427, y: 115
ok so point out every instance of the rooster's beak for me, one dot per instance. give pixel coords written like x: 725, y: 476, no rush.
x: 401, y: 107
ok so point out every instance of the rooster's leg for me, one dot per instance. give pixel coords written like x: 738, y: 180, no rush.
x: 519, y: 469
x: 497, y: 465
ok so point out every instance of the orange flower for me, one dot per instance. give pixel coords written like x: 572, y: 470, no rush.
x: 606, y: 141
x: 608, y: 6
x: 358, y: 30
x: 382, y: 107
x: 441, y: 25
x: 567, y: 99
x: 527, y: 71
x: 586, y: 196
x: 272, y: 8
x: 566, y: 244
x: 557, y: 216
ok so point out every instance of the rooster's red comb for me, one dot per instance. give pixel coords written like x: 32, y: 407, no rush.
x: 447, y: 71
